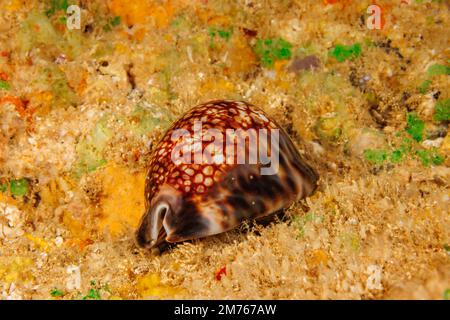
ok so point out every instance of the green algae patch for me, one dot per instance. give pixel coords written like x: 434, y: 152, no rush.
x: 438, y: 70
x: 415, y: 126
x: 56, y: 293
x: 429, y: 157
x: 4, y: 85
x: 19, y: 188
x: 90, y: 149
x: 375, y: 156
x: 342, y: 52
x: 271, y: 50
x: 442, y: 110
x: 424, y: 86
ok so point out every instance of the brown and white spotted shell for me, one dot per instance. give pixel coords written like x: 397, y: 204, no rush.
x: 193, y: 199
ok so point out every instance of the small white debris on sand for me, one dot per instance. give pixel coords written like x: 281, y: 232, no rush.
x: 436, y: 143
x: 10, y: 222
x: 374, y: 280
x: 11, y: 293
x: 73, y: 281
x: 59, y: 241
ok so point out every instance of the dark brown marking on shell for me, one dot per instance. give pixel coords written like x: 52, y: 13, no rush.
x: 189, y: 222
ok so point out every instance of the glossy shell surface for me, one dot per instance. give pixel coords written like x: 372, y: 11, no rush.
x: 194, y: 199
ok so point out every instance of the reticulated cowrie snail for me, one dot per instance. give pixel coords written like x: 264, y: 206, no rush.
x: 222, y: 163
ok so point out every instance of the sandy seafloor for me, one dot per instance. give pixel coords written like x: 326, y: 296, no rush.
x: 80, y: 111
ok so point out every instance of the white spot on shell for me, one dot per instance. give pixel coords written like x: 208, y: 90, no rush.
x: 198, y: 178
x: 209, y: 182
